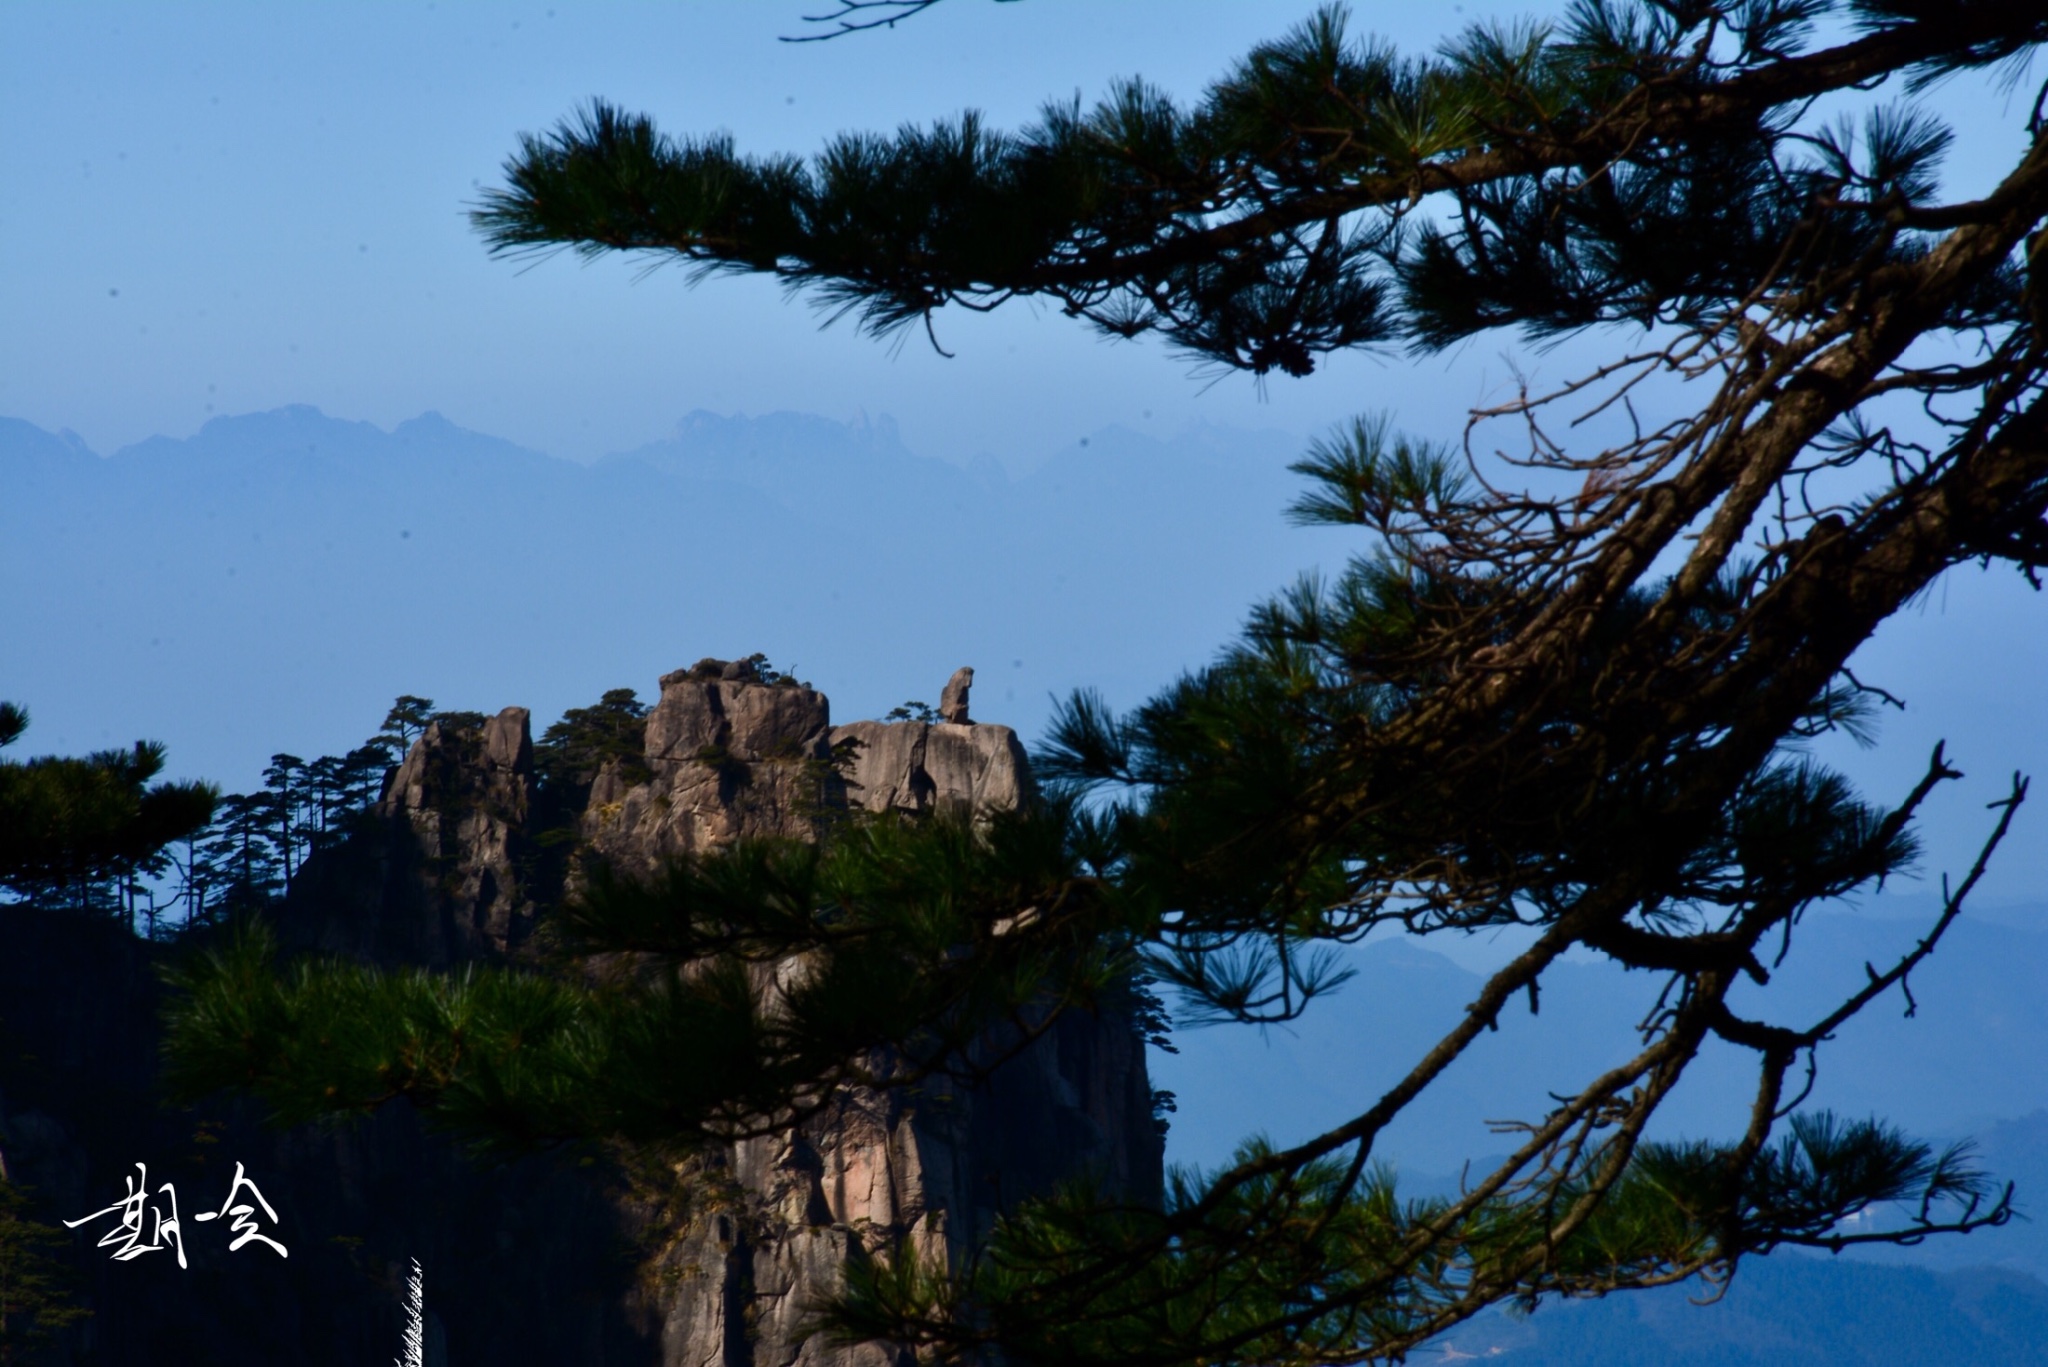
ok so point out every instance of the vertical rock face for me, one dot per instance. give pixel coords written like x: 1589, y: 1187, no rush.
x: 731, y: 757
x: 442, y: 879
x: 921, y: 767
x: 736, y: 757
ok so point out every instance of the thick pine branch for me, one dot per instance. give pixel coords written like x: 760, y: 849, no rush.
x: 1235, y: 232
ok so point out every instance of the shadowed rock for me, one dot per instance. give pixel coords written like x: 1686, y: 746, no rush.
x: 439, y: 875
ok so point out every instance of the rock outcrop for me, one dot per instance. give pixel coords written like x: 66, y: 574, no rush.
x: 953, y: 699
x: 733, y: 756
x: 442, y: 877
x: 547, y: 1261
x: 923, y: 767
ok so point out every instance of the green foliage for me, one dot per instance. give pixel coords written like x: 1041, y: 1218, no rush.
x: 767, y: 673
x: 566, y: 762
x: 1629, y: 162
x: 81, y: 832
x: 692, y: 1034
x: 404, y: 724
x: 36, y: 1297
x: 458, y: 721
x: 753, y: 668
x: 1217, y: 1276
x: 570, y: 753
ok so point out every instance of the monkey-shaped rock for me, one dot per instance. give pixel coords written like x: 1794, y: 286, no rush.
x: 953, y: 702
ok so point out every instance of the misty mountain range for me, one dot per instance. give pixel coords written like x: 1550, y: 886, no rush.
x: 271, y: 582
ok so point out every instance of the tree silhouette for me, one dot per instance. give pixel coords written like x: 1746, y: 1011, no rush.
x: 248, y: 855
x: 81, y: 832
x: 404, y: 723
x: 287, y: 797
x: 570, y: 752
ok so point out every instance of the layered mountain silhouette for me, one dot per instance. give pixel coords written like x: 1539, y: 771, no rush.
x: 273, y: 580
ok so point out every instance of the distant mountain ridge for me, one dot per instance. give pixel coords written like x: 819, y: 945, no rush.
x: 295, y: 556
x: 722, y: 441
x: 817, y: 467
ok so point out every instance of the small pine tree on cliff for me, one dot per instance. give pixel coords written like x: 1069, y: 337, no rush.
x: 1562, y: 686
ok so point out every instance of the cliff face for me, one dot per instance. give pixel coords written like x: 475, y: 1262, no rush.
x: 730, y: 756
x: 712, y: 1267
x: 442, y: 876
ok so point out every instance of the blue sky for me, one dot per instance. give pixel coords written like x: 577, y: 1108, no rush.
x: 277, y: 195
x: 225, y: 208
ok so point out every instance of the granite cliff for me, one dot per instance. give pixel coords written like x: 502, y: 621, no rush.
x: 710, y: 1263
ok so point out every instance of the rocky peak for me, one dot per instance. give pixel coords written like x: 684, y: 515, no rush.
x: 730, y: 752
x: 953, y: 698
x: 440, y: 877
x: 729, y: 756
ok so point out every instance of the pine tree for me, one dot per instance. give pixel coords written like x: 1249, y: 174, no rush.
x: 284, y: 788
x: 82, y: 832
x: 247, y: 856
x: 1563, y: 686
x: 241, y: 858
x: 404, y: 723
x: 572, y: 751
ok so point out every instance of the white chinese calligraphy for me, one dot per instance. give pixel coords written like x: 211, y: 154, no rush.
x: 135, y: 1208
x: 140, y: 1214
x: 415, y: 1354
x: 244, y: 1223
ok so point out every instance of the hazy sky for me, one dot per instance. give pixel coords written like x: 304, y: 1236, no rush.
x: 243, y: 206
x: 216, y: 208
